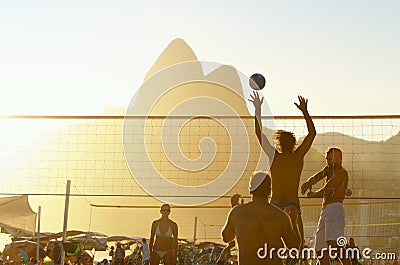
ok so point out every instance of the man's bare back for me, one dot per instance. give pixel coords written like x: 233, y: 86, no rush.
x: 285, y: 173
x: 258, y: 224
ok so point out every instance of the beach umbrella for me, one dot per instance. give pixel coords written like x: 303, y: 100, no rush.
x: 122, y: 238
x: 89, y: 240
x: 23, y: 248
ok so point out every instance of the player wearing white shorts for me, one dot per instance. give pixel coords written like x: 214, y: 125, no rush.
x: 331, y: 221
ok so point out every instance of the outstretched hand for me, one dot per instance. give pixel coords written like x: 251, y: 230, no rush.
x: 235, y: 200
x: 255, y: 98
x: 302, y: 105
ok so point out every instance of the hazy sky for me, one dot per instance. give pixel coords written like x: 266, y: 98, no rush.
x: 76, y: 57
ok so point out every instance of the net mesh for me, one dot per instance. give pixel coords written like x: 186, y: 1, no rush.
x: 39, y: 154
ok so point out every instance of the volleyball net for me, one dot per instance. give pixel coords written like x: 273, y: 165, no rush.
x: 123, y: 168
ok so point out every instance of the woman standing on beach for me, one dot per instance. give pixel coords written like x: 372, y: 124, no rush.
x: 165, y: 233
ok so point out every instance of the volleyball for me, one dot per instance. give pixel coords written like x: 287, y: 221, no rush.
x: 257, y: 81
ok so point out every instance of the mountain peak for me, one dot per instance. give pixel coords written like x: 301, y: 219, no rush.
x: 177, y: 51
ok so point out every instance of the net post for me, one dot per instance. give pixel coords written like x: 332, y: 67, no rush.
x: 194, y: 233
x: 67, y: 193
x: 38, y: 236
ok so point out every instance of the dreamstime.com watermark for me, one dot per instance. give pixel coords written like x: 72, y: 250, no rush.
x: 333, y: 252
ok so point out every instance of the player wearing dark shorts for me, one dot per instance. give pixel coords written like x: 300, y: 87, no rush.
x: 287, y: 161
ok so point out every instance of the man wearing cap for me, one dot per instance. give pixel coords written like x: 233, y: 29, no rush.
x: 260, y: 227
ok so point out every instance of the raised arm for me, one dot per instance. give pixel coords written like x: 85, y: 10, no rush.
x: 262, y: 139
x: 308, y: 140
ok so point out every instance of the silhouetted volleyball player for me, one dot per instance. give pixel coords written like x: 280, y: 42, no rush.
x: 287, y: 160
